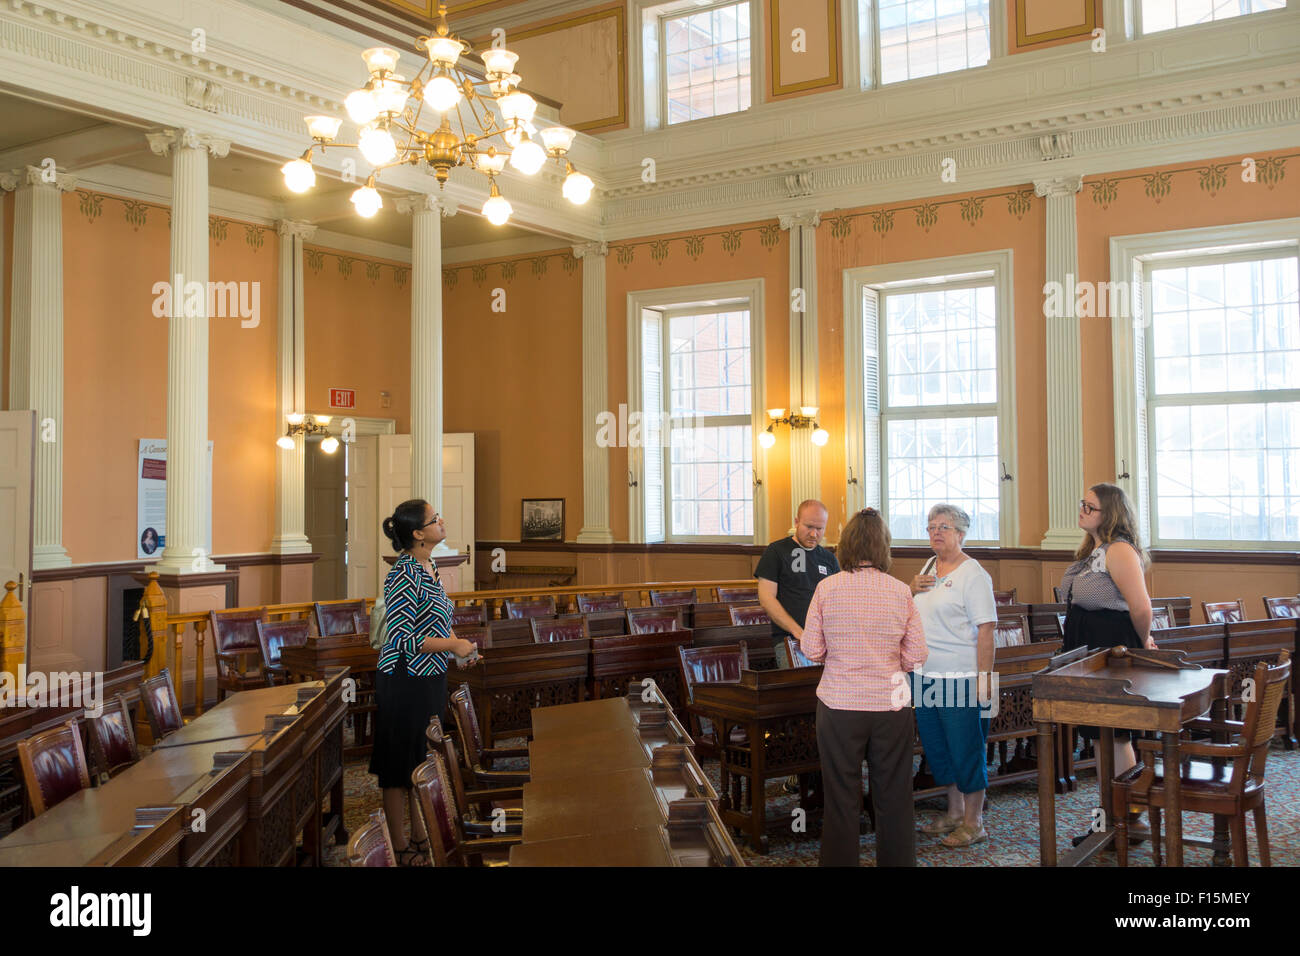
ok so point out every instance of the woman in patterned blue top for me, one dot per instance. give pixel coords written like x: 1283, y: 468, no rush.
x: 411, y: 682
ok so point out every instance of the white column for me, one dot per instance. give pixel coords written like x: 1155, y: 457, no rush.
x: 187, y: 350
x: 426, y: 213
x: 805, y: 457
x: 595, y: 395
x: 1064, y: 374
x: 36, y: 344
x: 290, y: 509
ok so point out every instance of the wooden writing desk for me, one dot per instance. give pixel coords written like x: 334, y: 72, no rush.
x: 1136, y: 690
x: 570, y: 719
x: 618, y: 748
x: 321, y: 655
x: 238, y: 715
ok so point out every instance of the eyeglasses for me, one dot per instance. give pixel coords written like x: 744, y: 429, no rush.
x: 436, y: 519
x: 1087, y: 508
x: 945, y: 528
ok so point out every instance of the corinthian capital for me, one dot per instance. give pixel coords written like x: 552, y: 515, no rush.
x: 590, y: 250
x: 163, y: 141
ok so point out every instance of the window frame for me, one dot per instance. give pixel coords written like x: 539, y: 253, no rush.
x: 1134, y: 11
x: 1134, y: 431
x: 865, y: 428
x: 682, y: 300
x: 866, y: 30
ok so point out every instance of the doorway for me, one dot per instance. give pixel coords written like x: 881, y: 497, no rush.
x: 325, y: 511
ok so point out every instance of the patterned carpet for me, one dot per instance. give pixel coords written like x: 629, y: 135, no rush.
x: 1010, y: 817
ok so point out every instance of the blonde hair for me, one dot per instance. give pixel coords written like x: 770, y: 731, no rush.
x: 1118, y: 523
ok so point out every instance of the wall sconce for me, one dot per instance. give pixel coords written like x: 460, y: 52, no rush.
x: 807, y: 418
x: 300, y: 424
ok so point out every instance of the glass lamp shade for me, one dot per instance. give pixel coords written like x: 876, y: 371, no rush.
x: 391, y: 95
x: 442, y: 93
x: 361, y: 107
x: 766, y: 439
x: 494, y: 163
x: 285, y: 442
x: 557, y: 140
x: 528, y: 157
x: 367, y: 201
x: 500, y: 61
x: 808, y: 411
x: 323, y: 127
x: 322, y: 419
x: 819, y: 437
x: 775, y: 413
x: 377, y: 146
x: 497, y: 209
x: 298, y: 175
x: 380, y: 59
x: 294, y: 418
x: 445, y: 51
x: 330, y: 445
x: 517, y: 106
x: 577, y: 187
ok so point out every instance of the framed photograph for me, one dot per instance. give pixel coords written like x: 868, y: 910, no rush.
x: 542, y: 519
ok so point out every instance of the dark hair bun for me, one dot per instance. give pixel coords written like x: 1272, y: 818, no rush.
x: 408, y: 517
x: 391, y: 534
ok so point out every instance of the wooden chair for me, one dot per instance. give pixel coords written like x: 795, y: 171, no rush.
x: 236, y: 648
x: 479, y: 809
x: 1011, y: 631
x: 1060, y: 625
x: 337, y: 618
x: 559, y: 629
x: 54, y: 766
x: 1004, y: 597
x: 600, y: 602
x: 532, y: 607
x: 720, y: 664
x: 371, y: 845
x: 795, y: 655
x: 1162, y: 618
x: 112, y: 739
x: 448, y: 845
x: 1227, y: 781
x: 476, y: 635
x: 737, y: 595
x: 478, y: 759
x: 653, y: 620
x: 361, y: 623
x: 468, y: 614
x: 1279, y: 607
x: 160, y: 705
x: 274, y: 638
x: 672, y: 598
x: 748, y: 614
x: 1223, y: 612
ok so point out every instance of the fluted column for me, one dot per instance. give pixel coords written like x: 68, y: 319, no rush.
x: 290, y: 508
x: 595, y: 395
x: 427, y: 212
x: 186, y: 549
x: 805, y: 457
x: 1064, y: 374
x: 36, y: 344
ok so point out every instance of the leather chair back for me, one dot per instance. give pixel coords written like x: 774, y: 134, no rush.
x: 1011, y: 631
x: 1004, y: 597
x: 112, y: 738
x: 1278, y: 607
x: 160, y: 704
x: 721, y: 664
x: 54, y: 766
x: 672, y: 598
x: 337, y: 617
x: 1223, y: 612
x: 468, y: 614
x: 653, y: 620
x: 274, y: 638
x: 235, y: 631
x: 559, y: 629
x: 371, y: 844
x: 738, y: 595
x: 748, y: 614
x: 1161, y: 618
x: 796, y: 655
x: 600, y: 602
x: 532, y: 607
x: 471, y: 739
x: 437, y: 801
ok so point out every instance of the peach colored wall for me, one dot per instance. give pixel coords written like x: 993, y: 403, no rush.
x: 1044, y: 16
x: 357, y: 330
x: 514, y: 379
x: 1156, y: 199
x: 115, y: 392
x: 757, y: 250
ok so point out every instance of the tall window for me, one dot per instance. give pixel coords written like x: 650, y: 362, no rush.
x: 1222, y: 397
x: 698, y: 448
x: 1160, y: 15
x: 916, y: 38
x: 706, y: 66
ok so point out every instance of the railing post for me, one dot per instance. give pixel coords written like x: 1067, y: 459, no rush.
x: 200, y: 627
x: 13, y: 622
x: 152, y: 613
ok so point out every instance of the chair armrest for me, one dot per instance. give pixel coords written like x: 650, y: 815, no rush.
x: 1207, y: 724
x: 487, y: 779
x: 489, y: 794
x: 1195, y: 748
x: 495, y: 753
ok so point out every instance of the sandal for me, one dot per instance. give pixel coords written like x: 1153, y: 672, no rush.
x: 940, y: 826
x: 965, y: 835
x: 415, y: 853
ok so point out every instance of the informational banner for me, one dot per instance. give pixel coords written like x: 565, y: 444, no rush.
x: 151, y: 499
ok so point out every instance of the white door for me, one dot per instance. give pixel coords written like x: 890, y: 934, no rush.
x: 394, y: 487
x: 17, y: 479
x: 363, y: 517
x: 458, y: 491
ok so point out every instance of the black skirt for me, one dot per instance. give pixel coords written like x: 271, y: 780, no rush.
x: 405, y: 704
x: 1100, y: 630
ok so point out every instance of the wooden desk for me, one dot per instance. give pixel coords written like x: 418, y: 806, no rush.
x: 570, y: 719
x: 321, y: 655
x: 579, y: 806
x: 509, y: 682
x: 238, y: 715
x: 1146, y: 690
x: 581, y: 755
x: 643, y: 846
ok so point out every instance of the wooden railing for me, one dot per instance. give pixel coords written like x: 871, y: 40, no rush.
x: 566, y: 598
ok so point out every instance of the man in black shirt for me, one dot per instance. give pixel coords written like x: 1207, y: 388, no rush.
x: 790, y: 570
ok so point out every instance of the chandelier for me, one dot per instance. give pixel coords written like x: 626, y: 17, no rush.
x: 300, y: 424
x: 388, y: 109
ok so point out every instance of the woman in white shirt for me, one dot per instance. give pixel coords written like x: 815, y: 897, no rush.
x: 954, y: 596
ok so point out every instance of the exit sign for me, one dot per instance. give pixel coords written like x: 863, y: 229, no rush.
x: 343, y: 398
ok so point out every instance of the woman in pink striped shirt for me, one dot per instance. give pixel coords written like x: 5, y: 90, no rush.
x: 863, y: 625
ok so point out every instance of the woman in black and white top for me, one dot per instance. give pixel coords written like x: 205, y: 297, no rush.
x: 1105, y: 590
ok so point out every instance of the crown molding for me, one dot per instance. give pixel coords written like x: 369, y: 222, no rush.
x: 501, y: 249
x: 360, y: 245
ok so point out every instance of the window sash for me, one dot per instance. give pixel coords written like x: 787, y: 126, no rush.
x: 665, y: 122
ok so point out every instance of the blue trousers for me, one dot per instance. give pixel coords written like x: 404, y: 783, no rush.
x: 954, y: 737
